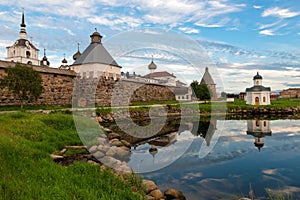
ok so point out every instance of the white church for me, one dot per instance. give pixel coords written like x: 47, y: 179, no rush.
x: 258, y: 94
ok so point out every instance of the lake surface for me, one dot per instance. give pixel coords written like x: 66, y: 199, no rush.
x: 232, y: 158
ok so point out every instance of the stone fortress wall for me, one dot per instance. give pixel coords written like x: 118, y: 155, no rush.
x: 60, y: 85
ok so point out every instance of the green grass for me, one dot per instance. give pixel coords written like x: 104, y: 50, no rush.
x: 27, y: 171
x: 38, y: 107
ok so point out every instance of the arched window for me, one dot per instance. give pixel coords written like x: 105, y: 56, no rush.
x: 29, y: 63
x: 264, y: 99
x: 27, y: 54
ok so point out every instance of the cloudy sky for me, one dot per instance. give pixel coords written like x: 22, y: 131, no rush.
x: 240, y: 37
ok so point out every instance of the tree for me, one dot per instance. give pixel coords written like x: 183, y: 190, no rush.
x: 23, y: 82
x: 201, y: 91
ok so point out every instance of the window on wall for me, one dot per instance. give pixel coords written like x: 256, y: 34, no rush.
x: 264, y: 99
x: 257, y: 123
x: 27, y: 54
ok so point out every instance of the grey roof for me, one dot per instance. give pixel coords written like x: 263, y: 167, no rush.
x: 258, y: 88
x: 159, y: 74
x: 95, y: 53
x: 181, y: 90
x: 22, y: 42
x: 207, y: 79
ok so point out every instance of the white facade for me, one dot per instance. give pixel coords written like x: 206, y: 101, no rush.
x: 23, y: 51
x: 258, y: 129
x: 95, y: 70
x: 258, y: 94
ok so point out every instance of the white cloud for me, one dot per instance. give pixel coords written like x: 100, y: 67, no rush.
x: 189, y: 30
x: 266, y: 32
x: 257, y: 7
x: 279, y: 12
x: 116, y: 21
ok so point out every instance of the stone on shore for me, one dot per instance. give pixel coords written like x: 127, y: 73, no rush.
x: 157, y: 194
x: 174, y: 194
x: 149, y: 185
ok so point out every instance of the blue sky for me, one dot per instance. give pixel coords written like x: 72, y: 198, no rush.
x: 241, y: 37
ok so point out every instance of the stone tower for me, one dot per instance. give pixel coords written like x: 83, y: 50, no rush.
x: 207, y: 80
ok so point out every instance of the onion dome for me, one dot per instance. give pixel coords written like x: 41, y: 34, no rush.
x: 152, y: 66
x: 64, y: 61
x: 77, y: 54
x: 257, y: 76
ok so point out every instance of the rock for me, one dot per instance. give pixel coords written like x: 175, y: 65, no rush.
x: 157, y: 194
x: 103, y: 147
x: 244, y: 198
x: 111, y: 136
x: 63, y: 151
x: 123, y: 168
x: 99, y: 119
x: 110, y: 161
x: 54, y: 157
x: 91, y: 162
x: 148, y: 197
x: 116, y: 142
x: 93, y: 149
x: 125, y: 148
x: 98, y: 154
x: 149, y: 185
x: 174, y: 194
x: 102, y: 140
x: 102, y: 136
x: 125, y: 143
x: 107, y: 130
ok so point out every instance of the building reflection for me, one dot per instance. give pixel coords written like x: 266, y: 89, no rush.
x: 205, y: 129
x: 259, y: 129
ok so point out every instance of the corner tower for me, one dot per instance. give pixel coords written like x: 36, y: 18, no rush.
x: 23, y: 51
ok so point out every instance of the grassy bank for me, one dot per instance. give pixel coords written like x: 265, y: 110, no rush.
x: 27, y: 171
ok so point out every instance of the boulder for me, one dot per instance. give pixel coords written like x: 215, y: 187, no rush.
x: 104, y: 147
x: 99, y: 119
x: 125, y: 148
x: 110, y: 161
x: 174, y: 194
x: 149, y: 185
x: 125, y: 143
x: 98, y: 154
x: 102, y: 140
x: 157, y: 194
x: 111, y: 136
x: 93, y: 149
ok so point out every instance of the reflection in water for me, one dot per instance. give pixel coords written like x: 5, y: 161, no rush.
x: 259, y: 129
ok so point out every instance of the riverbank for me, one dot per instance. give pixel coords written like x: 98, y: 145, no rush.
x: 28, y: 172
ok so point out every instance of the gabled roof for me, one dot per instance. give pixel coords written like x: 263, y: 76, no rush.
x: 207, y: 79
x: 181, y: 90
x: 159, y: 74
x: 95, y: 53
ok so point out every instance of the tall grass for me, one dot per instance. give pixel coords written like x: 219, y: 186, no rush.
x: 27, y: 172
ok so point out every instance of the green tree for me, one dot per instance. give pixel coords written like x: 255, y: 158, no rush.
x: 201, y: 91
x: 23, y: 82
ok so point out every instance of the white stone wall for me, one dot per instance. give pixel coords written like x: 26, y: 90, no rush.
x: 18, y: 54
x: 250, y: 97
x: 95, y: 70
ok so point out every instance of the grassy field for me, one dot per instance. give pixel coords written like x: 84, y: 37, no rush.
x: 27, y: 171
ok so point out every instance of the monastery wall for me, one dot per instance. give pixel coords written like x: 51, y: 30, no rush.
x: 62, y: 85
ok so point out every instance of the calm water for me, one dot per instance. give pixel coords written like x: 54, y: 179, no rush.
x: 241, y: 154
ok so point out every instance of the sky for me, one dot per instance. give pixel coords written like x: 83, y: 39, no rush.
x: 239, y: 37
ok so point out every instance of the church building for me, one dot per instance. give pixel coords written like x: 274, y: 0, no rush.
x: 23, y: 51
x: 258, y: 129
x: 258, y: 94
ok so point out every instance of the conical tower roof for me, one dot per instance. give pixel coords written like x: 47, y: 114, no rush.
x: 207, y: 79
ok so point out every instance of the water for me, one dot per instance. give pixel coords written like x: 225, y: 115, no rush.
x: 242, y: 155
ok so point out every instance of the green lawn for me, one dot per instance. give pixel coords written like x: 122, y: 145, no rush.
x: 27, y: 171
